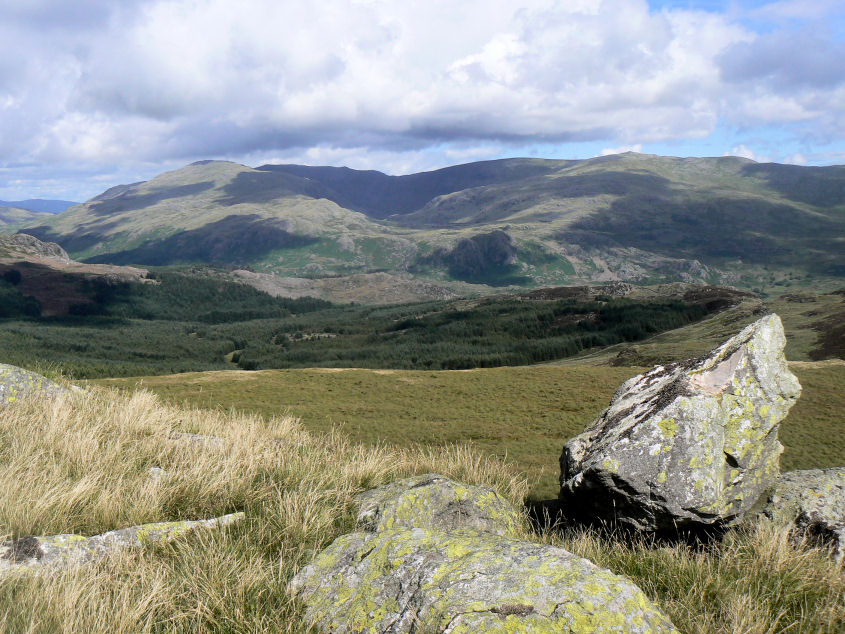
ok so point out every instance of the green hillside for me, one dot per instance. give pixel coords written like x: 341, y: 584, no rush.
x: 524, y: 222
x: 12, y: 218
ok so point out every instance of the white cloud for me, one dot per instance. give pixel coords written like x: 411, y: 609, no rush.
x: 159, y: 80
x: 745, y: 152
x: 622, y: 149
x: 795, y: 159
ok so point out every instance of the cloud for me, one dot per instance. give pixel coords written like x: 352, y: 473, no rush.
x: 621, y: 150
x: 173, y: 80
x: 795, y: 159
x: 744, y: 152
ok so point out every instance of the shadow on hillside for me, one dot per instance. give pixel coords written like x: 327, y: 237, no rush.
x: 132, y: 202
x: 654, y: 217
x: 78, y: 240
x: 263, y: 187
x: 819, y: 186
x: 235, y: 239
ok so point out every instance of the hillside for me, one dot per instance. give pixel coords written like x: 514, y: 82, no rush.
x: 12, y: 218
x: 40, y: 279
x: 632, y: 217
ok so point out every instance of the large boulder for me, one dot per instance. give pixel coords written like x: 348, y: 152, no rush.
x: 688, y: 445
x: 54, y: 552
x: 16, y: 382
x: 418, y: 580
x: 433, y: 558
x: 432, y: 501
x: 812, y: 503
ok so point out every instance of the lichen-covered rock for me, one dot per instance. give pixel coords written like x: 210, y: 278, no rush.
x: 432, y: 501
x: 813, y: 503
x: 32, y: 554
x: 687, y: 445
x: 16, y: 382
x: 421, y: 580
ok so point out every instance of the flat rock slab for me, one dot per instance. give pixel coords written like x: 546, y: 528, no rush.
x: 31, y: 554
x: 687, y: 445
x: 419, y: 580
x: 812, y: 501
x: 435, y: 502
x: 16, y: 382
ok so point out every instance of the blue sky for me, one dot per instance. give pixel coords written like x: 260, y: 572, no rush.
x: 99, y: 92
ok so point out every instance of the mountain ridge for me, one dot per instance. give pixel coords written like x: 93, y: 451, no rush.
x: 630, y: 217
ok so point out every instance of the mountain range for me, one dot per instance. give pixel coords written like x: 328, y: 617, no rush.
x: 630, y: 217
x: 41, y: 205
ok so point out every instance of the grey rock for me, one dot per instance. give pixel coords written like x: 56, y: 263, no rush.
x: 25, y: 244
x: 16, y: 382
x: 41, y: 554
x: 435, y: 502
x: 203, y: 440
x: 687, y: 445
x: 418, y: 580
x: 812, y: 502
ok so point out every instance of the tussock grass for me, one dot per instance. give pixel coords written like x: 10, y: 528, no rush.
x: 754, y: 581
x: 80, y: 464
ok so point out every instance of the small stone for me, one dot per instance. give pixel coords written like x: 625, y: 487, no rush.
x: 215, y: 442
x: 40, y: 554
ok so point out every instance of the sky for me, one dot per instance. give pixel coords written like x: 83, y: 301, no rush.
x: 94, y: 93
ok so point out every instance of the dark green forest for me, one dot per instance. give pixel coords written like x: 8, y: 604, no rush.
x: 185, y: 323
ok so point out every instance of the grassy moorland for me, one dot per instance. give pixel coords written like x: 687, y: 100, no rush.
x: 86, y: 471
x: 522, y: 414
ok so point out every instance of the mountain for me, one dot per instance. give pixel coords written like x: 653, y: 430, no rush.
x: 40, y: 204
x: 12, y: 218
x: 631, y: 217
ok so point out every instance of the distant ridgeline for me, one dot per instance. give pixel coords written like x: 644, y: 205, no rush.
x: 628, y: 217
x: 184, y: 323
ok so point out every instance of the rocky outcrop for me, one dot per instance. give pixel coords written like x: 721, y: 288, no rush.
x: 16, y: 382
x: 812, y: 502
x: 687, y: 445
x: 34, y: 554
x: 419, y: 568
x: 23, y: 245
x: 433, y: 502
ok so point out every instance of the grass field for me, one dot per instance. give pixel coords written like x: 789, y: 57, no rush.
x: 86, y: 471
x: 523, y: 414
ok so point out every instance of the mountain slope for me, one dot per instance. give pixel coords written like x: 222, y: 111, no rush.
x: 11, y: 218
x: 628, y: 217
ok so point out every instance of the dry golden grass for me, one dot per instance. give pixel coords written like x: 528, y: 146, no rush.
x: 80, y: 464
